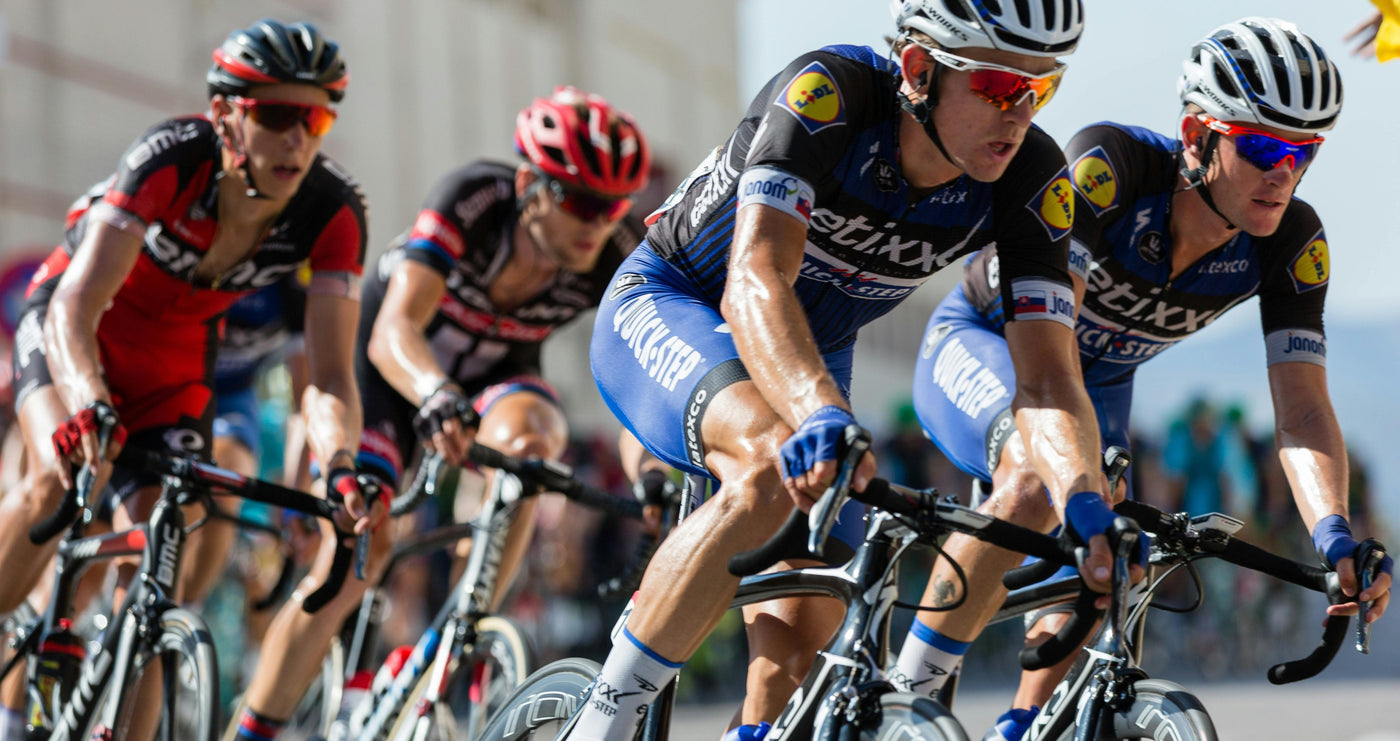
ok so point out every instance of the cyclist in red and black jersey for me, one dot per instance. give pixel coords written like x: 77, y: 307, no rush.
x: 455, y: 314
x: 123, y: 319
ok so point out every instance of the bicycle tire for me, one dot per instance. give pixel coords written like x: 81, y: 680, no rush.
x: 913, y: 717
x: 190, y: 686
x: 542, y: 705
x: 479, y: 685
x: 1161, y: 709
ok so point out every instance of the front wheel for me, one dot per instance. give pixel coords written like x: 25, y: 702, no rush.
x: 1161, y: 710
x: 905, y: 717
x: 189, y: 686
x: 480, y: 684
x: 540, y: 707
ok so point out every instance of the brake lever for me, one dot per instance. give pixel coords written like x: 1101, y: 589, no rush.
x: 823, y: 515
x: 1367, y: 569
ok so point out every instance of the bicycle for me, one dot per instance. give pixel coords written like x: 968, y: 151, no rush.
x: 77, y: 695
x: 1107, y: 695
x: 469, y: 659
x: 844, y: 694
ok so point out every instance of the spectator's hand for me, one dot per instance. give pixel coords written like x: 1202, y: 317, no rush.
x: 809, y: 456
x: 1363, y: 36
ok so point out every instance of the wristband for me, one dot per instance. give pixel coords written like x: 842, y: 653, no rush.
x: 1333, y: 539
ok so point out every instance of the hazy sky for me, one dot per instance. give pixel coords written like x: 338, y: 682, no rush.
x: 1125, y: 70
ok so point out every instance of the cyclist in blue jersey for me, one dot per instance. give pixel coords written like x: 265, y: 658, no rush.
x: 725, y: 342
x: 1168, y: 235
x: 260, y: 329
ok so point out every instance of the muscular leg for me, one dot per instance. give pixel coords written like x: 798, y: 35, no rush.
x: 688, y: 587
x: 207, y: 549
x: 37, y: 495
x: 297, y: 641
x: 784, y: 637
x: 1017, y: 497
x: 525, y: 425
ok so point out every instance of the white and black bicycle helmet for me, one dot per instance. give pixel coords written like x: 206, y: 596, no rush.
x: 1263, y: 71
x: 1043, y: 28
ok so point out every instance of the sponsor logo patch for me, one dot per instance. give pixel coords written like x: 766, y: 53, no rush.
x: 777, y: 189
x: 1042, y: 299
x: 666, y: 358
x: 1054, y: 205
x: 932, y: 339
x: 969, y: 386
x: 1311, y: 267
x: 813, y: 98
x: 1296, y: 345
x: 625, y: 283
x: 1152, y: 248
x: 1093, y: 177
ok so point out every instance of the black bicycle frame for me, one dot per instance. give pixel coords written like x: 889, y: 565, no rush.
x: 134, y: 628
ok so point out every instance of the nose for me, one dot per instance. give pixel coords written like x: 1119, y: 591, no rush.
x: 1023, y: 111
x: 296, y: 136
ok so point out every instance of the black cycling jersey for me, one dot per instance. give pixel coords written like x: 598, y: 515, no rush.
x: 1124, y: 179
x: 821, y: 143
x: 263, y: 325
x: 464, y: 232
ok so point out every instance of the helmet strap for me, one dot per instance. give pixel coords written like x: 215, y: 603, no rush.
x: 1196, y: 176
x: 240, y: 161
x: 922, y: 111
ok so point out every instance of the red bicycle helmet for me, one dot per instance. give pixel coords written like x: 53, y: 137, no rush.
x: 580, y: 140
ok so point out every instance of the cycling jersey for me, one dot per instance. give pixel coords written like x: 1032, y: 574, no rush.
x: 259, y: 329
x: 464, y: 232
x: 1132, y: 310
x: 819, y: 143
x: 158, y: 337
x: 1124, y: 179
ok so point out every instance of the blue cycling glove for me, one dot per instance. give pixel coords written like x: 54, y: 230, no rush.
x: 815, y: 441
x: 1334, y: 542
x: 1087, y: 515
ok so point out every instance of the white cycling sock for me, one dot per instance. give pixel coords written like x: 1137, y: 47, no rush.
x: 632, y: 677
x: 11, y: 725
x: 925, y: 661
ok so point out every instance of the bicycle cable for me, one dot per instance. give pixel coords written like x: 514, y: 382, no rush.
x: 957, y: 571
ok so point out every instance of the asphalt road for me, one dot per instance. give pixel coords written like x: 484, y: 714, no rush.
x: 1350, y: 710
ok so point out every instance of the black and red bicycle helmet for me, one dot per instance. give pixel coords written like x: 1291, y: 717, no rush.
x: 583, y: 142
x: 270, y: 52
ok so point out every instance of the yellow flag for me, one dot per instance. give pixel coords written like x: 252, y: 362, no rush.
x: 1388, y: 37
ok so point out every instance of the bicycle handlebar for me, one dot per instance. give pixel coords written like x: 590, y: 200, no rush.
x: 75, y: 500
x: 931, y: 518
x: 1241, y: 553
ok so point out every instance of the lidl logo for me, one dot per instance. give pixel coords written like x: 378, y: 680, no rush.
x: 812, y: 96
x: 1093, y: 176
x: 1311, y: 266
x: 1055, y: 206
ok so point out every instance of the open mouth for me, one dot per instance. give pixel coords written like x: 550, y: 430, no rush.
x: 286, y: 172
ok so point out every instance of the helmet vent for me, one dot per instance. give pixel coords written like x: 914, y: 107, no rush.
x: 1227, y: 81
x: 957, y: 8
x: 1023, y: 12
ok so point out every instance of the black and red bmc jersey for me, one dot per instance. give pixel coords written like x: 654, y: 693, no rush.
x: 820, y: 142
x: 464, y: 232
x: 161, y: 330
x: 1124, y: 179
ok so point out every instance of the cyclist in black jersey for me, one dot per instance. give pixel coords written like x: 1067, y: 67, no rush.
x: 726, y: 341
x: 455, y: 315
x: 1168, y: 235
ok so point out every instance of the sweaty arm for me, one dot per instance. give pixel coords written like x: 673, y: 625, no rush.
x: 398, y: 346
x: 774, y: 340
x: 331, y: 402
x: 1053, y: 411
x: 1314, y: 459
x: 769, y: 325
x: 100, y: 266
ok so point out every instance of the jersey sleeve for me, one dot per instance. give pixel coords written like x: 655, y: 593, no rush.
x: 1099, y: 165
x: 806, y: 121
x: 338, y: 254
x: 1293, y: 288
x: 438, y: 237
x: 148, y: 177
x: 1034, y: 213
